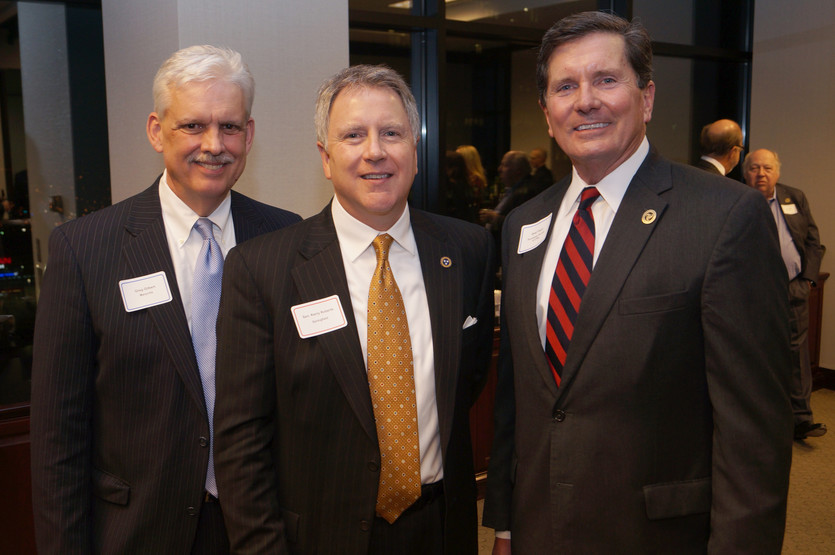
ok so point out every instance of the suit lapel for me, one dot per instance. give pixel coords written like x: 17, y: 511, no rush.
x: 321, y: 275
x: 146, y: 253
x: 530, y: 266
x: 624, y: 243
x: 443, y: 293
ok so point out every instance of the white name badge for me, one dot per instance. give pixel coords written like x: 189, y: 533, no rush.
x: 789, y: 209
x: 532, y: 235
x: 145, y: 291
x: 318, y: 317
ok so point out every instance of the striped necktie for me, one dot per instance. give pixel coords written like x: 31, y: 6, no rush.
x: 569, y: 283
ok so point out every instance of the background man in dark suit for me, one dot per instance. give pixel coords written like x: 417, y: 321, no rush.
x: 720, y: 145
x: 541, y: 174
x: 802, y: 253
x: 519, y: 186
x: 298, y: 448
x: 121, y: 436
x: 664, y: 425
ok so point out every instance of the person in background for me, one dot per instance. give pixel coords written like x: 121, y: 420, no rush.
x: 458, y: 196
x: 802, y: 253
x: 475, y: 172
x: 519, y: 186
x: 123, y: 369
x: 541, y: 174
x: 310, y: 457
x: 720, y: 145
x: 642, y: 386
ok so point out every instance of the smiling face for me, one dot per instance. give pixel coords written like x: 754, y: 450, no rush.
x: 371, y: 156
x: 594, y: 108
x: 204, y: 137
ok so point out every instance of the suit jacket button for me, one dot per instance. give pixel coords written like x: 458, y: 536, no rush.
x: 204, y: 442
x: 559, y: 415
x: 191, y: 511
x: 365, y: 526
x: 373, y: 466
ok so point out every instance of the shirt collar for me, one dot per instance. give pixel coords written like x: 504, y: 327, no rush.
x: 612, y: 187
x: 715, y: 163
x: 180, y: 219
x: 355, y: 237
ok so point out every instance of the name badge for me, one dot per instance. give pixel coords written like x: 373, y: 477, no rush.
x: 789, y: 209
x: 318, y: 317
x: 145, y: 291
x: 532, y: 235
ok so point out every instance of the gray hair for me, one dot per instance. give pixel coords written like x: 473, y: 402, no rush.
x: 358, y: 77
x: 199, y: 64
x: 746, y: 162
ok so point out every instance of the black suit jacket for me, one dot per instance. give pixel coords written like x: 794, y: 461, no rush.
x: 297, y: 457
x: 118, y: 424
x: 803, y: 230
x: 707, y: 166
x: 671, y: 431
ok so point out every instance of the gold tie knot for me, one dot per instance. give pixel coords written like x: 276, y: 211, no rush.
x: 382, y: 243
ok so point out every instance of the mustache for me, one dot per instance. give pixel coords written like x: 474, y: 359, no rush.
x: 204, y: 158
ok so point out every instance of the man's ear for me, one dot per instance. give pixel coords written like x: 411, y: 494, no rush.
x: 154, y: 130
x: 250, y: 133
x: 325, y: 159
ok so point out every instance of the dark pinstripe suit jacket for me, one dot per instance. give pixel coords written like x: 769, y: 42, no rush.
x: 118, y: 424
x: 296, y: 455
x: 671, y: 430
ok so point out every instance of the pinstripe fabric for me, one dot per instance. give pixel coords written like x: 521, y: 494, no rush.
x: 297, y: 459
x: 118, y: 422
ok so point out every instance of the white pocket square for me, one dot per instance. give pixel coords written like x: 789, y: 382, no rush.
x: 470, y: 321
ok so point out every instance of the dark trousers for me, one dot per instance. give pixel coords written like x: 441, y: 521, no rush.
x: 801, y: 382
x: 211, y: 538
x: 418, y: 531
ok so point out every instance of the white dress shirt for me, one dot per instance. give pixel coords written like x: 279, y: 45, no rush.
x: 360, y: 261
x: 184, y: 242
x: 612, y: 188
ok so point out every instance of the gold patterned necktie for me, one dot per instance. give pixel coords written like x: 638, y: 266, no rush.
x: 392, y: 383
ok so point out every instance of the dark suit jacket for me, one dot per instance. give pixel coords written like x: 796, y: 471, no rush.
x: 707, y: 166
x: 672, y: 430
x: 803, y: 230
x: 119, y: 426
x: 297, y: 458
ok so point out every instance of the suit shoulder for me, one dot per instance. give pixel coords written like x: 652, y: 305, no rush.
x: 454, y: 227
x: 278, y: 216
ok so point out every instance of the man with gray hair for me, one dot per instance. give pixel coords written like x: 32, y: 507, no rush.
x: 123, y: 368
x: 802, y: 253
x: 350, y: 348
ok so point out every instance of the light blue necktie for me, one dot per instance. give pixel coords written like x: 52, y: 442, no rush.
x: 205, y: 298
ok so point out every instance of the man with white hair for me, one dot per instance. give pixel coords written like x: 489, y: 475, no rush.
x: 123, y: 366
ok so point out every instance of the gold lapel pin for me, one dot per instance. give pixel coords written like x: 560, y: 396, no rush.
x: 648, y: 217
x: 446, y: 261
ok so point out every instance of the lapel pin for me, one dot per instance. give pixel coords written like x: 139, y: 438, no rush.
x: 446, y: 261
x: 648, y: 217
x: 788, y: 201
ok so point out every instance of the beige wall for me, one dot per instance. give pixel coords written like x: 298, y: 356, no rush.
x: 290, y: 47
x: 793, y: 113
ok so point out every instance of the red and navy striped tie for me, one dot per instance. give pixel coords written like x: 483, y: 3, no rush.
x: 569, y: 284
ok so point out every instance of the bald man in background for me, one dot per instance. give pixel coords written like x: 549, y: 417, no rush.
x: 721, y: 146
